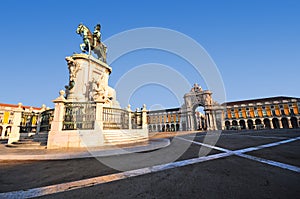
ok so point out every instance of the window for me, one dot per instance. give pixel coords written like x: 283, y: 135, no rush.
x: 273, y: 110
x: 264, y: 111
x: 291, y: 109
x: 280, y: 106
x: 240, y: 113
x: 232, y: 113
x: 255, y: 112
x: 248, y: 112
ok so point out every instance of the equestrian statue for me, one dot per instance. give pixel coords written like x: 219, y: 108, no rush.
x: 92, y: 42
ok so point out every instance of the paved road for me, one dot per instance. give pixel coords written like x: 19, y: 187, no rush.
x: 258, y: 164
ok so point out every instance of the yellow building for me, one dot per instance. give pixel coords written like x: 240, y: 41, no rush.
x: 17, y: 118
x: 164, y: 120
x: 264, y: 113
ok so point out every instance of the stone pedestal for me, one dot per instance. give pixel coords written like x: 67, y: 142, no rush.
x: 88, y: 87
x: 88, y: 80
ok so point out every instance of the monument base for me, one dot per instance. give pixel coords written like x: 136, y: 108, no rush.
x: 92, y: 138
x: 75, y: 139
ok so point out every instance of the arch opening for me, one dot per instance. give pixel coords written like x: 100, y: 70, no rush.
x: 200, y: 122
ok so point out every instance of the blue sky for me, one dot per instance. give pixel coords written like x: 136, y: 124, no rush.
x: 255, y: 45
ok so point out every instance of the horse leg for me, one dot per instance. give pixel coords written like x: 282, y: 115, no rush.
x: 89, y: 46
x: 103, y: 53
x: 82, y: 48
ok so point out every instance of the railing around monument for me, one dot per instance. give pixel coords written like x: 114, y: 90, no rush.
x: 79, y: 115
x: 46, y: 119
x: 136, y: 120
x: 114, y: 118
x: 29, y: 122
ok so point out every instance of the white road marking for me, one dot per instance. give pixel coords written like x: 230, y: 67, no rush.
x: 206, y: 145
x: 267, y: 145
x: 257, y: 136
x: 270, y: 162
x: 270, y: 137
x: 52, y: 189
x: 41, y: 191
x: 241, y: 152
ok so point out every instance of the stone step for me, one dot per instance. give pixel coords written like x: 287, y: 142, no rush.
x: 123, y: 137
x: 40, y: 139
x: 26, y: 143
x: 40, y: 136
x: 125, y: 140
x: 120, y: 142
x: 126, y: 137
x: 26, y: 146
x: 25, y: 140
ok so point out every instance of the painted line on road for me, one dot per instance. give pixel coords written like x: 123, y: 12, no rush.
x: 256, y: 136
x: 267, y: 145
x: 270, y: 162
x: 259, y: 136
x: 206, y: 145
x: 241, y: 152
x: 52, y: 189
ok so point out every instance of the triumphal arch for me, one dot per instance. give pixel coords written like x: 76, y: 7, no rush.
x: 203, y: 98
x: 186, y: 117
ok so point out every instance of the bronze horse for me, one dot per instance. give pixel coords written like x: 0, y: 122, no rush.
x: 91, y: 42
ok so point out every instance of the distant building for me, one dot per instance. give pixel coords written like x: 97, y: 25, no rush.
x: 263, y: 113
x: 18, y: 118
x: 164, y: 120
x: 268, y: 113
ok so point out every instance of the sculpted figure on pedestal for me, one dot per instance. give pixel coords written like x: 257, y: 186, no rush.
x: 92, y: 42
x: 73, y: 67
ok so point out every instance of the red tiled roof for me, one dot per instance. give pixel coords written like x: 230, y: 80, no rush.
x: 278, y: 98
x: 16, y: 106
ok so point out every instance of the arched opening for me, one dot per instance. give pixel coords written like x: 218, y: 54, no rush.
x: 172, y: 127
x: 199, y: 120
x: 150, y: 128
x: 285, y: 123
x: 234, y: 125
x: 257, y: 122
x: 275, y: 122
x: 250, y: 124
x: 7, y: 131
x: 267, y: 123
x: 1, y: 128
x: 177, y: 127
x: 158, y: 128
x: 242, y: 124
x: 167, y: 127
x: 294, y: 122
x: 227, y: 125
x: 163, y: 129
x: 154, y: 128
